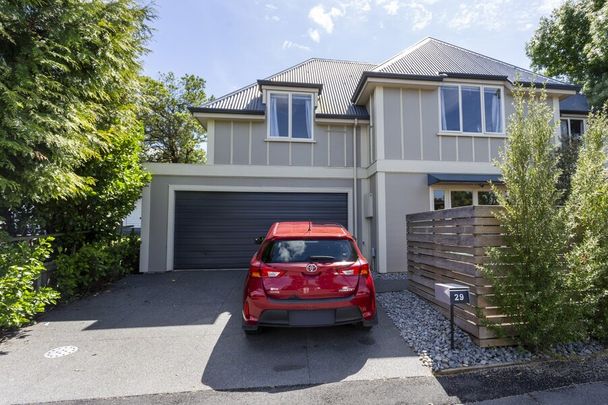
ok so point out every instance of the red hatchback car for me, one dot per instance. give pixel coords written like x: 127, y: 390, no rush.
x: 307, y: 274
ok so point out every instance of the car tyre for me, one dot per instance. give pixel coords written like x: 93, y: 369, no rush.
x: 369, y: 324
x: 364, y: 327
x: 251, y: 330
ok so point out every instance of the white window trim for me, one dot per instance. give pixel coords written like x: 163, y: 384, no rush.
x: 289, y: 137
x: 448, y: 188
x: 482, y: 88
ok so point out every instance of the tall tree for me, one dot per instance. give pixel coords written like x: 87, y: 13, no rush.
x: 69, y: 85
x: 68, y: 70
x: 572, y: 43
x: 528, y: 276
x: 117, y: 181
x: 172, y: 134
x: 587, y: 211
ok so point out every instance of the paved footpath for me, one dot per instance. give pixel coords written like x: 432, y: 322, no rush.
x: 584, y: 394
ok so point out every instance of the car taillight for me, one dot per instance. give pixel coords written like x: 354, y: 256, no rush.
x: 364, y: 269
x: 264, y: 271
x: 358, y: 269
x: 254, y: 272
x: 271, y: 272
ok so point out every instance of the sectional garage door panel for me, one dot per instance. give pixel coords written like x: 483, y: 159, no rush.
x: 216, y: 230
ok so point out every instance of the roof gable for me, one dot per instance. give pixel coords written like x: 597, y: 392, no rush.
x: 338, y: 78
x: 432, y: 57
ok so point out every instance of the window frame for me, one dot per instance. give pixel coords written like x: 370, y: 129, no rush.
x: 447, y: 192
x: 482, y: 88
x: 568, y: 119
x: 289, y: 137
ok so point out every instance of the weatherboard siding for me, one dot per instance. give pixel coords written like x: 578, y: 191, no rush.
x: 411, y: 129
x: 246, y: 143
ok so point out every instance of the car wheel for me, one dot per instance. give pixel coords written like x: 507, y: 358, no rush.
x: 364, y: 327
x: 253, y: 332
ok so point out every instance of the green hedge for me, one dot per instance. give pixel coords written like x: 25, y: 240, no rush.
x: 96, y: 264
x: 20, y: 266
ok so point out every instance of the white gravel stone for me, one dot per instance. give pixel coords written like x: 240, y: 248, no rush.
x: 427, y: 331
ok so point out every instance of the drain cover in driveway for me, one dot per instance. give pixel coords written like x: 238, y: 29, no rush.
x: 60, y: 352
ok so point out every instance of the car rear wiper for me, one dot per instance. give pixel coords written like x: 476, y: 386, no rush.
x: 321, y: 258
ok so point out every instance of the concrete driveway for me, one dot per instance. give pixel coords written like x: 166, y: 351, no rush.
x: 180, y: 331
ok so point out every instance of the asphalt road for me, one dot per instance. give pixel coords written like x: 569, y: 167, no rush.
x: 415, y: 390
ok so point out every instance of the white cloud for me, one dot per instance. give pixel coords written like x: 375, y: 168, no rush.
x: 289, y: 45
x: 392, y: 7
x: 421, y: 17
x: 271, y: 6
x: 272, y: 17
x: 360, y: 6
x: 323, y: 18
x: 415, y: 10
x: 492, y: 15
x: 314, y: 35
x: 545, y: 7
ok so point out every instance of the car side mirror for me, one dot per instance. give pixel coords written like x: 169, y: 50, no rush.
x: 259, y: 240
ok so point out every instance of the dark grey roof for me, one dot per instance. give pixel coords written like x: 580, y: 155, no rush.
x: 576, y: 104
x: 338, y: 79
x: 434, y: 178
x: 432, y: 57
x: 342, y: 81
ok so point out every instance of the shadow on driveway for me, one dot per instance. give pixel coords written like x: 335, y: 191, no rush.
x: 305, y: 356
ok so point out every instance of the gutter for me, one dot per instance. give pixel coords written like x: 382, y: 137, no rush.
x: 442, y: 75
x: 355, y: 230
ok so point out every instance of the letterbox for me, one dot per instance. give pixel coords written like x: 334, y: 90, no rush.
x: 450, y: 293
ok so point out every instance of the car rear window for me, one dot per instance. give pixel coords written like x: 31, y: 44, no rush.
x: 308, y: 250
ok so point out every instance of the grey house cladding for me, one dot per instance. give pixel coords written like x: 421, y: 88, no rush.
x: 245, y: 143
x: 376, y: 137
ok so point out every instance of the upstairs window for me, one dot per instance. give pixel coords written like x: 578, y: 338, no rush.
x: 471, y: 109
x: 290, y: 115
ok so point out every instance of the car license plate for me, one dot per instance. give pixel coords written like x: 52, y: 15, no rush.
x: 312, y: 318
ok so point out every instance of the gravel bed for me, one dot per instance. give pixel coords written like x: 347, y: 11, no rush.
x: 390, y: 276
x: 426, y: 330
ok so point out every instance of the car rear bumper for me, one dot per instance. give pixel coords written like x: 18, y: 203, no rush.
x: 260, y: 310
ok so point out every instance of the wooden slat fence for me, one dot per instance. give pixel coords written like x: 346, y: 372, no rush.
x: 447, y: 246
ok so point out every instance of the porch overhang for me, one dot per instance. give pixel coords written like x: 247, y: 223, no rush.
x: 457, y: 178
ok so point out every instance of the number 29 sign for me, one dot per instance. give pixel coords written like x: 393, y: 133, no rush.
x: 459, y: 297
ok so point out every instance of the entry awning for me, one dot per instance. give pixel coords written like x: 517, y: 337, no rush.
x: 452, y: 178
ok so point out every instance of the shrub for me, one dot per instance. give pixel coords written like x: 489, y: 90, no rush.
x: 529, y: 275
x: 96, y: 264
x: 587, y: 210
x: 20, y: 267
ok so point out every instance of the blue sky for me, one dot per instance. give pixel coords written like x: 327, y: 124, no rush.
x: 232, y: 43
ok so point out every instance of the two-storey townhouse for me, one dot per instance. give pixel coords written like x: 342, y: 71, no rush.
x: 340, y: 141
